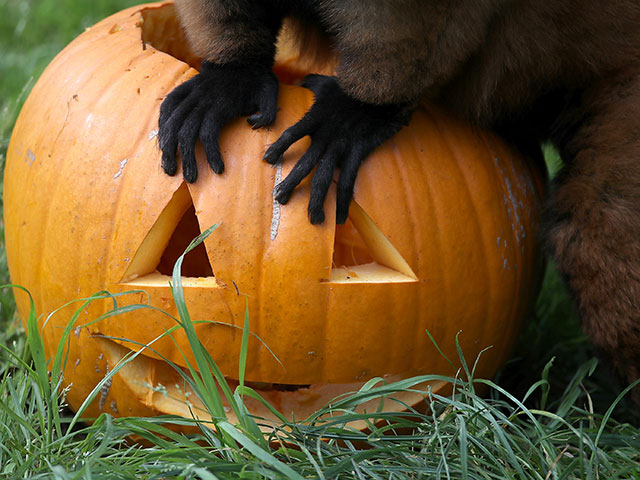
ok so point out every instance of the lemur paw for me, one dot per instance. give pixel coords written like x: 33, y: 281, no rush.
x: 201, y: 106
x: 343, y: 132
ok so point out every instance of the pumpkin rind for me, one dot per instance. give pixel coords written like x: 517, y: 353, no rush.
x: 83, y: 188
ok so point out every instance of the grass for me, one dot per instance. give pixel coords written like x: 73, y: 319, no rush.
x: 462, y: 435
x: 552, y: 413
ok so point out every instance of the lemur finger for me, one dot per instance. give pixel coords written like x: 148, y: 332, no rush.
x: 187, y: 137
x: 346, y: 183
x: 267, y: 101
x: 209, y: 135
x: 320, y: 183
x: 300, y: 170
x: 304, y: 126
x: 169, y: 127
x: 173, y: 100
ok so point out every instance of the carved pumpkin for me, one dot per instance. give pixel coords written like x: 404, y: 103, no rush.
x: 441, y: 237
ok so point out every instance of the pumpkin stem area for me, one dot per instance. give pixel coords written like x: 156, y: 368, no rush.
x: 161, y: 29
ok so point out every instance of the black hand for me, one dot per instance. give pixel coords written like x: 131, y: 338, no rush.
x: 343, y: 132
x: 201, y: 106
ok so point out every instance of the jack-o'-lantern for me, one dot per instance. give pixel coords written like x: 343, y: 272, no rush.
x: 441, y: 237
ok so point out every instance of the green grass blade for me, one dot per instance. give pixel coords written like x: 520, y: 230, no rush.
x: 244, y: 346
x: 258, y: 452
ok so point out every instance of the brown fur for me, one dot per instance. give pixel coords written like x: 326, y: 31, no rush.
x: 229, y: 31
x: 594, y: 229
x: 567, y: 71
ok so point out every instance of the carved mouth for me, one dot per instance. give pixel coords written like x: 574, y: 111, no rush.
x: 158, y: 386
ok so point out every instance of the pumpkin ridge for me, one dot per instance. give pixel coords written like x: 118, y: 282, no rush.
x: 428, y: 205
x: 426, y: 121
x: 46, y: 223
x: 51, y: 78
x: 484, y: 230
x: 408, y: 204
x: 523, y: 191
x: 480, y: 228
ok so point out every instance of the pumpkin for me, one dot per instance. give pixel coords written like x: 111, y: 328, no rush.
x: 441, y: 237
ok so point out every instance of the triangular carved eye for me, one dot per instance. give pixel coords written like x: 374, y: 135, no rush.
x: 174, y: 229
x: 362, y: 253
x: 195, y: 263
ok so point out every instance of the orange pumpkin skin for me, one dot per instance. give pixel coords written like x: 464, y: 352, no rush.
x: 84, y: 189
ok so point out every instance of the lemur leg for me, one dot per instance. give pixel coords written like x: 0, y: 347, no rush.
x: 594, y: 214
